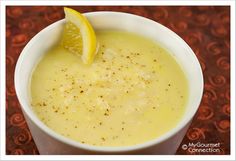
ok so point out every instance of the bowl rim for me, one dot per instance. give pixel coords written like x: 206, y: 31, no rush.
x: 26, y: 108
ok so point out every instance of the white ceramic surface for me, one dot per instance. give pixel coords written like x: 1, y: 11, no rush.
x: 49, y: 142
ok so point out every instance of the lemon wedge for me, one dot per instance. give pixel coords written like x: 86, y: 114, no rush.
x: 78, y: 36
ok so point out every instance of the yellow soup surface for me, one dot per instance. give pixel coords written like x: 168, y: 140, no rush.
x: 133, y: 92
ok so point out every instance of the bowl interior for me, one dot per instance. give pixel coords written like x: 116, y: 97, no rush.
x: 48, y: 37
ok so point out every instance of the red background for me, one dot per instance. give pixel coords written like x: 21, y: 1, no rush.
x: 205, y: 29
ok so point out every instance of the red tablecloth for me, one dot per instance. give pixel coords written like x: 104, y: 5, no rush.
x: 205, y: 29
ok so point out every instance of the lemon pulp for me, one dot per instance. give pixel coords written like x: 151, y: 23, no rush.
x: 78, y: 36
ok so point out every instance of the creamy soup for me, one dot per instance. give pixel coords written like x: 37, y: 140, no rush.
x: 133, y: 92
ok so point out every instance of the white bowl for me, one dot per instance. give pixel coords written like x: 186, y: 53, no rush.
x: 50, y: 142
